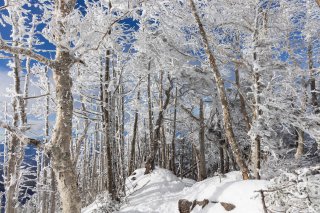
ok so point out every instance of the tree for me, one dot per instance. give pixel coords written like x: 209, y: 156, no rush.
x: 223, y: 97
x: 65, y: 59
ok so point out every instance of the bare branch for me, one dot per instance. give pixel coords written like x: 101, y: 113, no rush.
x: 108, y: 31
x: 189, y: 112
x: 33, y: 97
x: 4, y: 6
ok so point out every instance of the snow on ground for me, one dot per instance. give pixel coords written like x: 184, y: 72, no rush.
x: 161, y: 190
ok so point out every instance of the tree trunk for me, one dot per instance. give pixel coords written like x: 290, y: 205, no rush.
x: 202, y: 158
x: 64, y: 170
x: 227, y: 160
x: 150, y: 109
x: 242, y: 101
x: 150, y: 165
x: 227, y: 120
x: 173, y: 146
x: 221, y: 155
x: 106, y: 127
x: 314, y: 98
x: 300, y: 147
x: 163, y: 147
x: 257, y: 89
x: 62, y: 136
x: 133, y: 142
x: 15, y: 148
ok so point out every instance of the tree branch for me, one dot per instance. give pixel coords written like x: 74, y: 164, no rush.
x: 24, y: 139
x: 189, y: 112
x: 22, y: 51
x: 3, y: 7
x: 33, y: 97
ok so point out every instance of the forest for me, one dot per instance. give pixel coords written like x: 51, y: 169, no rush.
x: 145, y: 106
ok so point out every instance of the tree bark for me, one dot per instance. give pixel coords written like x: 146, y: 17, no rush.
x: 300, y: 147
x: 173, y: 146
x: 257, y: 89
x: 150, y: 109
x: 162, y: 137
x: 223, y: 96
x: 64, y: 170
x: 314, y: 98
x: 242, y: 101
x: 133, y: 142
x: 106, y: 127
x: 62, y: 135
x: 202, y: 158
x: 14, y: 148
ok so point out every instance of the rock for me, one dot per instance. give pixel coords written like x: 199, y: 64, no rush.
x: 184, y: 206
x: 227, y: 206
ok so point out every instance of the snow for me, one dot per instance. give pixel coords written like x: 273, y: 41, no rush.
x: 92, y: 207
x: 161, y: 190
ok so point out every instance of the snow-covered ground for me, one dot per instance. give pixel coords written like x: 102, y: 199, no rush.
x: 161, y: 190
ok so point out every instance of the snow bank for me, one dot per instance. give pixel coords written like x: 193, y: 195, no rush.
x: 161, y: 190
x: 155, y: 192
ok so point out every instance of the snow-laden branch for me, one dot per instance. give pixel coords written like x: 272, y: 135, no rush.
x: 3, y: 7
x: 189, y: 112
x: 23, y: 138
x: 22, y: 51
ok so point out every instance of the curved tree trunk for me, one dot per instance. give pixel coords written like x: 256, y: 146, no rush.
x: 62, y: 164
x: 63, y: 167
x: 150, y: 164
x: 223, y: 96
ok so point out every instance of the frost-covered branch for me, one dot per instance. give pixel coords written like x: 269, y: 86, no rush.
x: 23, y: 138
x: 22, y: 51
x: 189, y: 112
x: 3, y: 7
x: 33, y: 97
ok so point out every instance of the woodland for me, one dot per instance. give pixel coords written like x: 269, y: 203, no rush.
x: 92, y: 90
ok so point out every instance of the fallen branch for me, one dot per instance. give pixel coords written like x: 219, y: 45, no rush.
x: 265, y: 210
x: 274, y: 190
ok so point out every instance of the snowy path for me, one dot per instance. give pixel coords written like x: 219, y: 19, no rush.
x: 161, y: 191
x: 154, y: 192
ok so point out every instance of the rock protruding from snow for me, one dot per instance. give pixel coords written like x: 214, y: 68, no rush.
x: 227, y: 206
